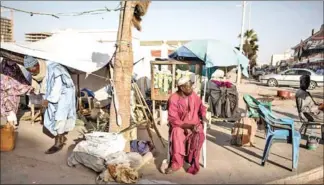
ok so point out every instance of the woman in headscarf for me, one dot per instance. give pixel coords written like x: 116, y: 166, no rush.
x: 13, y: 70
x: 13, y: 84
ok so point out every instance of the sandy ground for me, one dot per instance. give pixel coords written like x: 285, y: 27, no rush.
x: 28, y: 164
x: 319, y: 181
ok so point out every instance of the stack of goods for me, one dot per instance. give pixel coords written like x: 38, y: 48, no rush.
x: 163, y: 81
x: 181, y: 74
x: 222, y: 98
x: 103, y: 153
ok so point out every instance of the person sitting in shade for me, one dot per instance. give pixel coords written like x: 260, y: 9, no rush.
x: 308, y: 109
x: 186, y: 113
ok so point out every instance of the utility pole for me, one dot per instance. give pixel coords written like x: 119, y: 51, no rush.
x: 250, y: 9
x: 123, y: 70
x: 238, y: 80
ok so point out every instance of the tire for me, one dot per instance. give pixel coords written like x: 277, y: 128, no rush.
x: 272, y: 82
x: 312, y: 85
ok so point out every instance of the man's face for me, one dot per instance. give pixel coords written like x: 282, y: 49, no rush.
x: 34, y: 70
x: 187, y: 88
x: 304, y: 82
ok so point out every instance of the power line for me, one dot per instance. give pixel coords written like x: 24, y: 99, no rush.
x: 58, y: 15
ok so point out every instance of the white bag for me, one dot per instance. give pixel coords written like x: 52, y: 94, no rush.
x: 101, y: 144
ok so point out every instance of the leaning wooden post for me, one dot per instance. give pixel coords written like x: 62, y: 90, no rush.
x: 123, y: 64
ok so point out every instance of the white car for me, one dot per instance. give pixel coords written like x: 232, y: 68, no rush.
x: 291, y: 77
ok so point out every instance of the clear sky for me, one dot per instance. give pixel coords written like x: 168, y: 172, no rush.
x: 279, y: 24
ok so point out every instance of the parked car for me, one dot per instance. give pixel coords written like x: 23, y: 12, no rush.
x: 291, y: 77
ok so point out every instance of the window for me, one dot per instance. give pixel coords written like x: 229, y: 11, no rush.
x: 303, y: 72
x: 291, y: 72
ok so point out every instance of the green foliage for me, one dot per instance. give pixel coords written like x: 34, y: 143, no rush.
x: 250, y: 46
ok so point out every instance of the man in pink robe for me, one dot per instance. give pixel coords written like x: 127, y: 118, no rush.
x: 185, y: 115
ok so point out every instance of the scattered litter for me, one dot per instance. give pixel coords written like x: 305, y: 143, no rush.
x: 141, y: 147
x: 118, y: 173
x: 132, y: 159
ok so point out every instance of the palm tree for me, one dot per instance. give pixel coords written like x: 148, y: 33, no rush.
x: 250, y: 46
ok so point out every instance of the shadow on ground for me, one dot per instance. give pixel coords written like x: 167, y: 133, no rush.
x: 223, y: 140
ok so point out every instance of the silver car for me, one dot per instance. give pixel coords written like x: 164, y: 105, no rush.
x: 291, y: 77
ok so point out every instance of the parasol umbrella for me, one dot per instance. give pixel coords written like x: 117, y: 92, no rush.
x: 213, y: 53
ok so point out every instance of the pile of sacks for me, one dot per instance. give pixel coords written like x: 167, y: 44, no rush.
x: 103, y: 153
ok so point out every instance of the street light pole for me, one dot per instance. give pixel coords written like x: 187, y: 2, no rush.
x: 238, y: 80
x: 250, y: 9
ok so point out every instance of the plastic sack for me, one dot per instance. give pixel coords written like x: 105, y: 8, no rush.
x: 95, y: 163
x: 101, y: 144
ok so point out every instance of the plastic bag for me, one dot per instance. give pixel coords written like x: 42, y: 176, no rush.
x: 101, y: 144
x: 95, y: 163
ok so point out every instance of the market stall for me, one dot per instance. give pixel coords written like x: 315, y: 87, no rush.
x: 164, y: 75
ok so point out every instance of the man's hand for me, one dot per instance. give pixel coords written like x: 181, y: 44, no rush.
x: 187, y: 126
x: 191, y: 127
x: 44, y: 103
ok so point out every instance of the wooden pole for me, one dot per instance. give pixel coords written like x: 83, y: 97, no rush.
x: 123, y: 70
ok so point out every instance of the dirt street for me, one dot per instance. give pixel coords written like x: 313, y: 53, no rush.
x: 225, y: 163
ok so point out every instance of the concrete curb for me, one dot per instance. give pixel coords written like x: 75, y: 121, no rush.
x: 302, y: 178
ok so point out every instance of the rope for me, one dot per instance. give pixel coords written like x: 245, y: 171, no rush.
x: 57, y: 15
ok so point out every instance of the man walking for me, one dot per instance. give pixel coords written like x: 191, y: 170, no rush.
x: 55, y: 84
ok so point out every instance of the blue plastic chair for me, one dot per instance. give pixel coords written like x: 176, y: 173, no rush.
x: 280, y: 129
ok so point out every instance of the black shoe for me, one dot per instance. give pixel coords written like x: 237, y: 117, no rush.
x: 63, y: 139
x: 57, y: 146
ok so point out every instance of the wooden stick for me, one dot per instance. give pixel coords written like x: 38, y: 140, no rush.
x: 150, y: 113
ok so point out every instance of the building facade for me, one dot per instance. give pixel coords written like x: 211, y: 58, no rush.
x: 310, y: 52
x: 161, y: 49
x: 277, y: 58
x: 34, y: 37
x: 6, y: 30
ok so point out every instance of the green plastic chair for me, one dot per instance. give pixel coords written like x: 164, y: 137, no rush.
x: 252, y: 106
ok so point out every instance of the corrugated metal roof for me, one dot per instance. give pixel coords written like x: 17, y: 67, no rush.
x: 317, y: 35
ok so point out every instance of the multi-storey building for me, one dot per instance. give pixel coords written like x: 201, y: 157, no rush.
x: 34, y: 37
x: 6, y: 30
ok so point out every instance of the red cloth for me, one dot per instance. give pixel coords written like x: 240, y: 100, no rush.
x: 185, y: 110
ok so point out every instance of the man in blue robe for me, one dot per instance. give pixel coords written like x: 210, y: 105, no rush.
x: 54, y: 83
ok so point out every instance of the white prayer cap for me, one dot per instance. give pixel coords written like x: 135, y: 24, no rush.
x: 183, y: 80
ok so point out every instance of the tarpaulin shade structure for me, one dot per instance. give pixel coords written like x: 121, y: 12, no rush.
x: 71, y: 49
x: 213, y: 53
